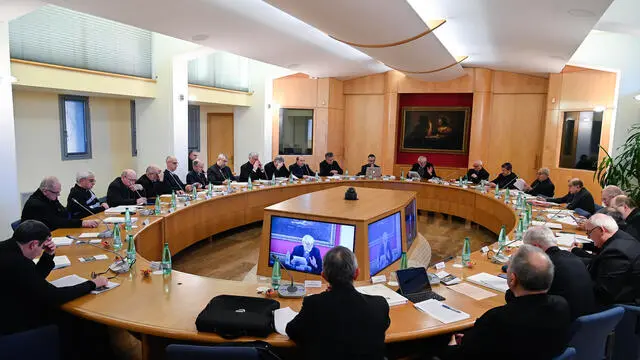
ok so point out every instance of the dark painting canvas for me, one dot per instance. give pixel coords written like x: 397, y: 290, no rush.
x: 435, y: 129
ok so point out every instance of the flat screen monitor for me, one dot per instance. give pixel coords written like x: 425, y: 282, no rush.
x: 385, y: 243
x: 301, y: 244
x: 410, y: 222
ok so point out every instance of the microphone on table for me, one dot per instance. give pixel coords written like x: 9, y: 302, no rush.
x: 433, y: 278
x: 104, y: 234
x: 118, y: 266
x: 293, y: 290
x: 509, y: 183
x: 499, y: 257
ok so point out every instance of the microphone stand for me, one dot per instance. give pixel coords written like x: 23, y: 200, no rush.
x: 104, y: 234
x: 293, y: 290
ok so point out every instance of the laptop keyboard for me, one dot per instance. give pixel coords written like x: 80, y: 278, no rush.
x: 422, y: 296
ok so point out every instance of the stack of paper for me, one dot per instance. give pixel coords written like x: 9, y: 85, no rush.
x: 121, y: 209
x: 72, y: 280
x: 565, y: 240
x: 441, y: 311
x: 89, y: 235
x: 392, y: 297
x: 281, y: 318
x: 60, y: 262
x: 547, y: 224
x: 491, y: 281
x: 62, y: 241
x: 118, y: 220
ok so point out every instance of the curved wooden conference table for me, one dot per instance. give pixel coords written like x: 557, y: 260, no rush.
x: 164, y: 309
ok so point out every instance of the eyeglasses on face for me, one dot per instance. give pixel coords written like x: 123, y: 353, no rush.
x: 590, y: 231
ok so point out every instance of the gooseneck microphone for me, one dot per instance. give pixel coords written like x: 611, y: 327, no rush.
x: 104, y: 234
x: 293, y: 290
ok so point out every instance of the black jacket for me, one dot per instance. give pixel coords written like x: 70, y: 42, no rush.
x: 480, y: 175
x: 363, y: 169
x: 544, y: 188
x: 246, y: 170
x: 151, y: 188
x: 171, y: 182
x: 27, y: 299
x: 532, y: 327
x: 270, y: 169
x: 580, y: 200
x: 615, y: 271
x: 300, y: 171
x: 571, y: 280
x: 194, y: 177
x: 120, y: 194
x: 85, y: 197
x: 325, y: 168
x: 217, y: 175
x: 341, y: 324
x: 51, y: 213
x: 633, y: 223
x: 423, y: 170
x: 508, y: 180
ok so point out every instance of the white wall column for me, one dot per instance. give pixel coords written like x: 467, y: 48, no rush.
x: 9, y: 196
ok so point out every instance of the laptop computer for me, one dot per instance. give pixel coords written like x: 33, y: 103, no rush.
x: 374, y: 172
x: 414, y: 285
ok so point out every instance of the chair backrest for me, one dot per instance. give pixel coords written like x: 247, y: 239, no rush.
x: 568, y: 354
x: 626, y: 342
x: 590, y: 333
x: 15, y: 224
x: 193, y: 352
x: 37, y: 344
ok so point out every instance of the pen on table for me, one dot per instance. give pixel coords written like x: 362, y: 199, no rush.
x: 450, y: 308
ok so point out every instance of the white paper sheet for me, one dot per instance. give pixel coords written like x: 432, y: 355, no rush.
x: 548, y: 224
x: 60, y: 262
x: 95, y: 257
x: 392, y: 297
x: 491, y: 281
x: 121, y: 209
x: 74, y: 279
x: 118, y: 220
x: 471, y: 291
x: 440, y: 311
x: 281, y: 318
x: 62, y: 241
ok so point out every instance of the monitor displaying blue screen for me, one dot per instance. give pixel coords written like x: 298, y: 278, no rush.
x: 410, y: 222
x: 301, y: 244
x: 385, y: 243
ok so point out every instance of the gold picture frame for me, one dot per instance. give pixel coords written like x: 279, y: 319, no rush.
x: 435, y: 129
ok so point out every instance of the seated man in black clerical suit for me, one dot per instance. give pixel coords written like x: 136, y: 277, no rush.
x: 124, y: 190
x: 299, y: 169
x: 424, y: 168
x: 277, y: 168
x: 219, y: 173
x: 542, y: 185
x: 329, y: 166
x: 477, y: 173
x: 151, y: 182
x: 171, y: 181
x: 252, y: 169
x: 506, y: 179
x: 371, y: 162
x: 578, y: 197
x: 197, y: 177
x: 82, y: 192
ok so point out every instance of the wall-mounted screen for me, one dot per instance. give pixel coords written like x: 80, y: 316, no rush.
x: 410, y: 222
x: 385, y: 243
x: 301, y: 244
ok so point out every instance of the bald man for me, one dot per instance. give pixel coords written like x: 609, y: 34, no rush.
x: 477, y: 173
x: 123, y: 190
x: 151, y: 181
x: 43, y: 205
x: 171, y: 180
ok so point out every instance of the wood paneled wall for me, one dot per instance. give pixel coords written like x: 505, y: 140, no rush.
x: 325, y: 96
x: 576, y: 89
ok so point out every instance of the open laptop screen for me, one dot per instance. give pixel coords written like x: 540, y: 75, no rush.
x: 413, y: 280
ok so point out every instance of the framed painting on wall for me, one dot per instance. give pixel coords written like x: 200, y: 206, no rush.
x: 435, y: 129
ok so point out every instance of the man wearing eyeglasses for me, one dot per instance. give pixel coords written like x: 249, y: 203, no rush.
x: 371, y: 162
x: 123, y: 190
x: 43, y: 205
x: 477, y: 173
x: 615, y: 270
x: 171, y: 181
x: 82, y: 193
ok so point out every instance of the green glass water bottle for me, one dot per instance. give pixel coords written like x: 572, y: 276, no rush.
x: 502, y: 237
x: 174, y: 201
x: 507, y: 196
x: 403, y: 261
x: 317, y: 177
x: 273, y: 179
x: 249, y: 184
x: 466, y: 252
x: 157, y: 210
x: 519, y: 229
x: 497, y: 192
x: 276, y: 276
x: 127, y: 220
x: 117, y: 238
x: 402, y: 175
x: 166, y: 260
x: 229, y: 188
x: 210, y: 190
x: 290, y: 178
x: 346, y: 172
x: 194, y: 192
x: 131, y: 249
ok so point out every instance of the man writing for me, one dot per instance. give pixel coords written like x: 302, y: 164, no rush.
x: 506, y: 178
x: 341, y: 323
x: 578, y: 197
x: 329, y: 166
x: 82, y: 193
x: 542, y: 185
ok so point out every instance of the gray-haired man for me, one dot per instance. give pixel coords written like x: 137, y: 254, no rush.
x: 82, y: 193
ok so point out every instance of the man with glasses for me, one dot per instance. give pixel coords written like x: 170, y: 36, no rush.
x: 615, y: 270
x: 151, y: 181
x: 82, y: 193
x: 477, y: 173
x: 43, y: 205
x: 197, y: 177
x: 371, y: 162
x: 578, y: 198
x: 219, y: 173
x: 542, y: 185
x: 123, y: 190
x: 171, y: 180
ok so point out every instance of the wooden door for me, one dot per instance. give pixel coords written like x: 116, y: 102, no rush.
x: 219, y: 137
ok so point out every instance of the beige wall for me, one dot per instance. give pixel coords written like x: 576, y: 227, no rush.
x: 37, y: 126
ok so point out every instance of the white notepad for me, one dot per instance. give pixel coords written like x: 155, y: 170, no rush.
x: 441, y: 311
x: 548, y: 224
x: 72, y: 280
x: 282, y: 317
x: 491, y: 281
x: 118, y: 220
x: 392, y: 297
x: 471, y: 291
x: 62, y: 241
x: 121, y: 209
x: 89, y: 235
x: 60, y: 262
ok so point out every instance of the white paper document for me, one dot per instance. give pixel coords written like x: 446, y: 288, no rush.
x: 62, y: 241
x: 565, y: 240
x: 281, y: 318
x: 93, y: 258
x: 72, y: 280
x: 548, y: 224
x: 519, y: 184
x: 441, y: 311
x: 60, y: 262
x: 89, y: 235
x: 491, y: 281
x: 392, y: 297
x: 471, y: 291
x: 121, y: 209
x: 118, y: 220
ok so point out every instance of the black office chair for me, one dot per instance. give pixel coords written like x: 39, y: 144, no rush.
x: 37, y: 344
x: 626, y: 341
x: 15, y: 224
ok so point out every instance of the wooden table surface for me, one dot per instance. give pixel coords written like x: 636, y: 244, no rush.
x: 166, y: 308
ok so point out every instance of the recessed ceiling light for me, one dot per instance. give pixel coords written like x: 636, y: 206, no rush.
x: 637, y: 97
x: 599, y: 108
x: 582, y: 13
x: 200, y: 37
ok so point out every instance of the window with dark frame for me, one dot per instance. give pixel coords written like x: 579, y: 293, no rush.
x: 580, y: 146
x: 296, y: 132
x: 134, y: 130
x: 194, y: 128
x: 75, y: 127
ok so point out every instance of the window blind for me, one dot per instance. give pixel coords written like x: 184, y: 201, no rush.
x: 222, y: 70
x: 59, y: 36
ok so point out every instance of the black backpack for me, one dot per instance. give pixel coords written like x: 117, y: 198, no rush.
x: 233, y: 316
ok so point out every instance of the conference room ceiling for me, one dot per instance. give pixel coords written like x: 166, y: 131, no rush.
x: 514, y: 35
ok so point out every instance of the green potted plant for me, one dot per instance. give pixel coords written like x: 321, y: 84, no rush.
x: 623, y: 170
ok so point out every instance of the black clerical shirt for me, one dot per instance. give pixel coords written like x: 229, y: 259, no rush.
x: 544, y: 188
x: 300, y: 171
x: 325, y: 168
x: 480, y: 175
x: 270, y: 169
x: 423, y: 171
x: 363, y: 169
x: 217, y: 175
x: 197, y: 177
x: 580, y: 200
x: 85, y: 197
x: 120, y: 194
x: 247, y: 171
x: 151, y: 188
x: 50, y: 212
x: 507, y: 181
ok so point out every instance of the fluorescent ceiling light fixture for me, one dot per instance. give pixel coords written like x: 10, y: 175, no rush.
x: 448, y: 36
x: 637, y: 97
x: 599, y: 108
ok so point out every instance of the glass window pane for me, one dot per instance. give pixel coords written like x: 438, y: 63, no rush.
x: 296, y: 132
x: 75, y: 123
x: 580, y: 140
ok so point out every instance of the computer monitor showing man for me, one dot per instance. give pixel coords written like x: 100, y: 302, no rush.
x: 385, y: 243
x: 300, y: 244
